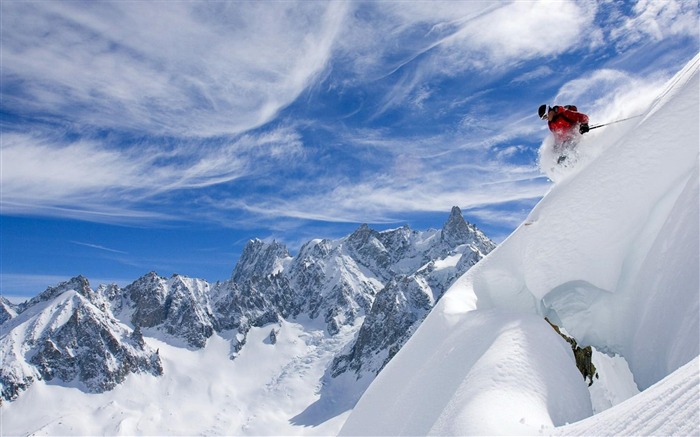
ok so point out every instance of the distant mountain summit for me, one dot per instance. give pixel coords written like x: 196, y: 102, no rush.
x: 457, y: 231
x: 69, y: 334
x: 380, y: 282
x: 259, y: 260
x: 8, y: 310
x: 178, y: 307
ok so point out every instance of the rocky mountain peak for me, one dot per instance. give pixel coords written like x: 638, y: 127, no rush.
x: 260, y: 259
x: 149, y: 281
x: 405, y: 300
x: 69, y: 338
x: 7, y: 310
x: 79, y: 283
x: 362, y: 233
x: 456, y: 230
x: 367, y: 248
x: 178, y: 307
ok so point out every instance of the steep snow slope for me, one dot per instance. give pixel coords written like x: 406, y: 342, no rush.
x: 481, y: 372
x: 611, y: 253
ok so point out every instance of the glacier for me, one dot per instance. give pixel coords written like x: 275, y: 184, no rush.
x: 610, y: 254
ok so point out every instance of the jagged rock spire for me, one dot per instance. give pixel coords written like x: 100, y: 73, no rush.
x: 456, y: 230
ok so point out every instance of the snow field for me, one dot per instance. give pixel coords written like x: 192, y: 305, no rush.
x: 613, y: 384
x: 197, y: 393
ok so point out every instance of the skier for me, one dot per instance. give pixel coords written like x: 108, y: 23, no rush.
x: 567, y: 126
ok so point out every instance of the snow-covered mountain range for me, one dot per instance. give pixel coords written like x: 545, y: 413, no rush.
x: 91, y: 340
x: 612, y: 255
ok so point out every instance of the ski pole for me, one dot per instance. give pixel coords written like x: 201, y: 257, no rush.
x: 613, y: 122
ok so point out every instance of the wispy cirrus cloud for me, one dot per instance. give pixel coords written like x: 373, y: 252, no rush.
x: 384, y: 201
x: 650, y: 18
x: 202, y: 124
x: 407, y: 175
x: 445, y: 39
x: 98, y: 246
x: 85, y: 178
x: 185, y: 68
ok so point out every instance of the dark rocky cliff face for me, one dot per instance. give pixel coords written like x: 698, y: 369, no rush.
x: 178, y: 307
x: 259, y: 260
x: 89, y: 350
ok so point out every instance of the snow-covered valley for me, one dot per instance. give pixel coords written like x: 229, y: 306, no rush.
x: 200, y: 392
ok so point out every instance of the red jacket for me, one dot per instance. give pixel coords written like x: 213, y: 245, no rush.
x: 565, y: 124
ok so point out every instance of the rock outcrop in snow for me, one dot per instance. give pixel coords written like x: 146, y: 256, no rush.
x: 260, y: 260
x: 178, y: 307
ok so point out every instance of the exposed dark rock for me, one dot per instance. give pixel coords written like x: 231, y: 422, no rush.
x: 178, y: 307
x: 401, y: 306
x: 272, y: 338
x: 8, y: 310
x: 583, y: 356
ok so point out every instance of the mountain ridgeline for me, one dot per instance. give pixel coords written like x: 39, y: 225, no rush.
x: 382, y: 284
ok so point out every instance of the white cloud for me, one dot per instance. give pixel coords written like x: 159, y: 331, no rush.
x: 97, y: 246
x: 444, y: 39
x: 410, y: 182
x: 195, y: 70
x: 658, y: 19
x: 178, y: 68
x: 524, y: 30
x: 90, y: 180
x: 608, y: 95
x: 380, y: 38
x: 541, y: 72
x: 382, y: 202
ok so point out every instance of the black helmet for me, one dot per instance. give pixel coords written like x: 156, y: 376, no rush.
x: 542, y: 111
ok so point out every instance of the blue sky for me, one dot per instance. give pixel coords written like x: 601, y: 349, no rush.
x: 140, y: 136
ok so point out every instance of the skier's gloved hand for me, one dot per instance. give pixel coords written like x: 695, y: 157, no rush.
x: 584, y: 128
